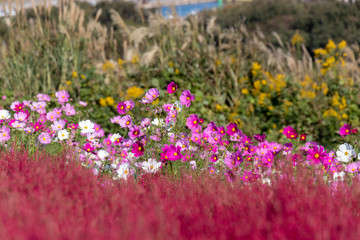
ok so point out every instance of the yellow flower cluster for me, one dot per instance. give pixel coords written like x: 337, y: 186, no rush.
x: 134, y: 92
x: 330, y: 56
x: 297, y: 39
x: 108, y: 65
x: 108, y: 101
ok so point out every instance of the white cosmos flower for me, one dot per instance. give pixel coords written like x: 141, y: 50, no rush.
x: 102, y: 154
x: 158, y: 122
x: 177, y: 105
x: 345, y: 153
x: 63, y: 134
x: 151, y: 165
x: 115, y: 137
x: 339, y: 176
x: 86, y: 126
x: 124, y: 171
x: 4, y: 114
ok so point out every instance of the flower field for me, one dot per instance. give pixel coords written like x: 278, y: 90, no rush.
x: 47, y: 197
x: 196, y: 132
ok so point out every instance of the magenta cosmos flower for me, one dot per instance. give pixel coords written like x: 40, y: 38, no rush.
x: 192, y: 121
x: 170, y: 152
x: 289, y: 132
x: 138, y: 149
x: 345, y: 130
x: 121, y: 108
x: 171, y: 88
x: 186, y: 98
x: 232, y: 129
x: 316, y: 155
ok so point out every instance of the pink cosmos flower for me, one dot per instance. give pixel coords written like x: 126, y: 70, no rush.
x: 316, y: 155
x: 21, y: 116
x: 18, y: 125
x: 51, y: 116
x: 196, y: 137
x: 121, y: 108
x: 167, y: 107
x: 352, y: 167
x: 58, y: 125
x: 354, y: 131
x: 83, y: 103
x: 129, y: 104
x: 267, y: 159
x: 138, y: 149
x: 135, y: 132
x: 116, y: 119
x: 152, y: 94
x: 44, y: 138
x: 146, y: 122
x: 192, y: 121
x: 171, y: 116
x: 69, y: 109
x: 62, y: 96
x: 186, y: 98
x: 43, y: 97
x: 345, y: 130
x: 4, y: 134
x: 232, y: 129
x: 171, y: 88
x: 125, y: 121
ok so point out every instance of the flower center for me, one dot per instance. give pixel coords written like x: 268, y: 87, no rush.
x: 316, y: 156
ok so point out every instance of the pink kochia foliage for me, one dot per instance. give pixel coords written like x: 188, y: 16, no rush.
x: 44, y: 197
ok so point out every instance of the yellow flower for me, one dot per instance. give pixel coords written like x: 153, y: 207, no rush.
x: 270, y: 108
x: 102, y: 102
x: 297, y: 39
x: 110, y: 101
x: 274, y: 126
x: 245, y: 91
x: 108, y: 65
x: 330, y: 45
x: 342, y: 44
x: 217, y: 62
x: 256, y: 67
x: 257, y: 84
x: 135, y: 59
x: 74, y: 74
x: 345, y: 116
x: 68, y: 83
x: 171, y: 64
x: 218, y: 107
x: 155, y: 102
x: 134, y: 92
x: 120, y: 62
x: 263, y: 82
x: 177, y: 71
x: 82, y: 76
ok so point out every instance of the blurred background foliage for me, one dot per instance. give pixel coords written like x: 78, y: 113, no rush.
x: 264, y: 66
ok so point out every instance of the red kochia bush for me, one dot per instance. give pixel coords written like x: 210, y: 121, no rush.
x: 43, y: 197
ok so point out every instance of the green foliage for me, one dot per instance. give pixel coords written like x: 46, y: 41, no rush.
x: 316, y: 21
